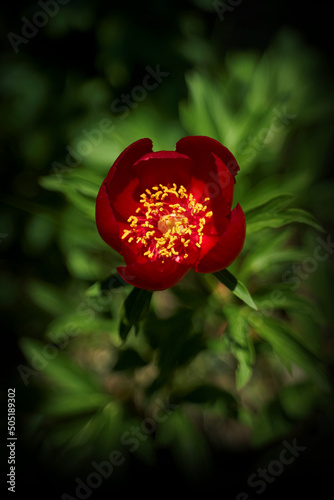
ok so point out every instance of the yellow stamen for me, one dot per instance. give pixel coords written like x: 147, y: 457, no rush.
x: 166, y: 227
x: 125, y: 234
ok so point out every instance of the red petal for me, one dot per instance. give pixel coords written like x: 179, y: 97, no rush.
x: 105, y: 219
x: 163, y: 167
x: 153, y: 275
x: 132, y: 252
x: 215, y: 226
x: 211, y: 177
x: 122, y: 181
x: 220, y: 190
x: 224, y: 249
x: 127, y: 158
x: 126, y: 203
x: 199, y: 145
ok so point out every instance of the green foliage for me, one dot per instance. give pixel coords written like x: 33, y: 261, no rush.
x: 272, y: 214
x: 235, y: 286
x: 285, y: 343
x: 247, y: 345
x: 61, y: 371
x: 240, y: 344
x: 134, y: 309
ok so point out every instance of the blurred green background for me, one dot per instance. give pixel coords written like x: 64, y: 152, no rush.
x: 207, y: 389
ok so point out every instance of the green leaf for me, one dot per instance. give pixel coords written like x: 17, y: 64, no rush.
x: 259, y: 251
x: 274, y: 204
x: 111, y: 283
x: 85, y: 437
x: 262, y: 262
x: 85, y: 186
x: 175, y: 341
x: 79, y: 191
x: 303, y: 217
x: 72, y: 180
x: 81, y: 264
x: 64, y: 328
x: 290, y: 216
x: 134, y: 309
x: 285, y: 344
x: 51, y: 182
x: 82, y: 202
x: 240, y: 344
x: 238, y: 288
x: 270, y: 214
x: 282, y: 297
x: 58, y: 367
x: 62, y: 404
x: 48, y: 297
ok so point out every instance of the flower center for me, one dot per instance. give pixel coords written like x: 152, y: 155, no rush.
x: 169, y: 224
x: 172, y: 222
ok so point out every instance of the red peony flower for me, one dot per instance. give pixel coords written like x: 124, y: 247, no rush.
x: 166, y: 212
